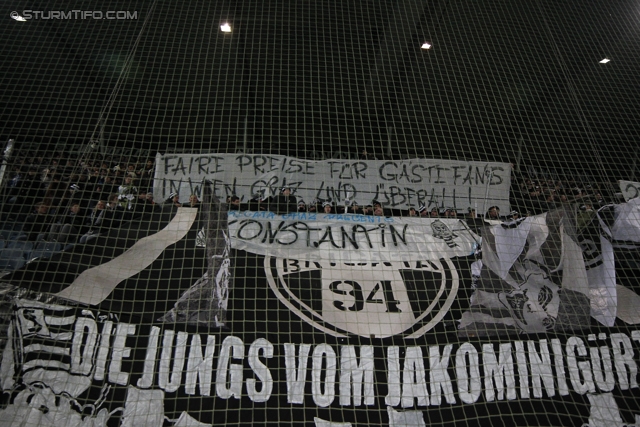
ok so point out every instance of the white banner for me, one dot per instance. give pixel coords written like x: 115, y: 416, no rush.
x: 349, y: 238
x: 630, y: 189
x: 395, y: 183
x: 531, y: 276
x: 626, y: 226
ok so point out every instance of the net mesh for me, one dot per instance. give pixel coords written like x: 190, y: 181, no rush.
x: 157, y: 268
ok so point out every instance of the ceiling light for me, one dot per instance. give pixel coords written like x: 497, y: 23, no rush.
x: 426, y: 45
x: 605, y: 60
x: 225, y: 27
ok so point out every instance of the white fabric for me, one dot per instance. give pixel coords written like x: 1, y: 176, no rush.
x: 95, y: 284
x: 398, y: 183
x: 321, y: 237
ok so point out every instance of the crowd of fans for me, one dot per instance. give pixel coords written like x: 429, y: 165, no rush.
x: 70, y: 199
x: 66, y: 199
x: 538, y: 193
x: 285, y: 203
x: 529, y: 196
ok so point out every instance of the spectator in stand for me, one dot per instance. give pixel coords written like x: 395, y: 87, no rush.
x: 173, y: 200
x: 535, y: 198
x: 385, y: 212
x: 412, y: 212
x: 493, y: 213
x: 76, y: 193
x: 147, y: 204
x: 302, y: 207
x: 104, y: 173
x: 550, y: 200
x: 146, y: 174
x: 255, y: 203
x: 339, y: 208
x: 107, y: 183
x: 194, y: 202
x: 434, y: 213
x: 95, y: 218
x: 599, y: 200
x: 234, y: 202
x: 451, y: 213
x: 367, y: 210
x: 422, y: 210
x: 513, y: 215
x: 94, y: 177
x: 587, y: 206
x: 131, y: 170
x: 69, y: 226
x: 127, y: 193
x: 38, y: 222
x: 49, y: 171
x: 354, y: 208
x: 32, y: 187
x: 103, y: 218
x: 117, y: 174
x: 313, y: 206
x: 327, y: 208
x: 56, y: 190
x: 148, y: 167
x: 284, y: 202
x: 21, y: 192
x: 378, y: 211
x: 471, y: 213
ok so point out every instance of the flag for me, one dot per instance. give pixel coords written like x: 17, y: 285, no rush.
x: 141, y: 268
x: 626, y: 225
x: 599, y: 264
x: 531, y: 278
x: 621, y: 225
x: 206, y: 301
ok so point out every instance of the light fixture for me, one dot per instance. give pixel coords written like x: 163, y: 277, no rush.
x: 426, y: 46
x: 605, y: 60
x: 225, y: 27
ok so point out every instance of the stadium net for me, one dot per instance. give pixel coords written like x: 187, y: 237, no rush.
x: 397, y: 213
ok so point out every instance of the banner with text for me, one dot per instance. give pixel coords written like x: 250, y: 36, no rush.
x: 395, y: 183
x: 321, y: 342
x: 350, y: 238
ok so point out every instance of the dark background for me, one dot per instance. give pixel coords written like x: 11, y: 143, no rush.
x: 509, y: 81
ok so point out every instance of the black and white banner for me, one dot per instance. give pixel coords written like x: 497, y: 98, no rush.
x: 219, y: 335
x: 76, y: 367
x: 531, y: 278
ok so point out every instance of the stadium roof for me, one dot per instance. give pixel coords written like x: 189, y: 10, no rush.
x: 303, y: 78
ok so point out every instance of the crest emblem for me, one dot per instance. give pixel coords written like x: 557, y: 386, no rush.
x: 369, y: 299
x: 442, y: 231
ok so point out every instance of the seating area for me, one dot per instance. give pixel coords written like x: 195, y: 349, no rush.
x: 52, y: 200
x: 16, y: 251
x: 48, y: 200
